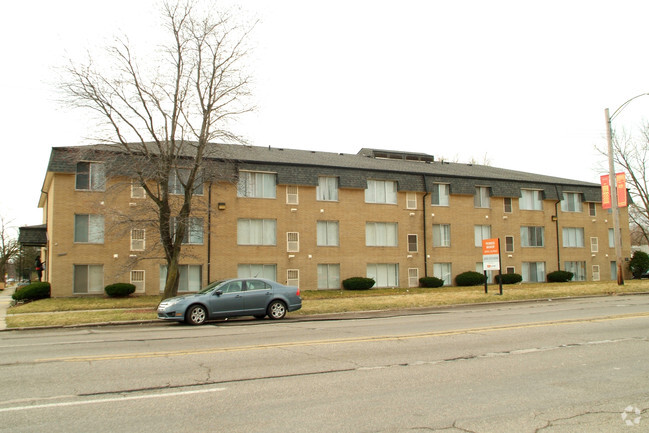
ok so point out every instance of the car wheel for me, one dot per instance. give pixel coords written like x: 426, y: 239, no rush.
x: 276, y: 310
x: 196, y: 315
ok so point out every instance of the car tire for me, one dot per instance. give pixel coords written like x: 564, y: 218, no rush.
x: 277, y: 310
x: 196, y: 315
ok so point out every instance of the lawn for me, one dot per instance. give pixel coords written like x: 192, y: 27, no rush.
x: 73, y: 311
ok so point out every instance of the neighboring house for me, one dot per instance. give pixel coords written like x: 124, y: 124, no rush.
x: 315, y: 218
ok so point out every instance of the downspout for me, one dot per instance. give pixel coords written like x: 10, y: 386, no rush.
x: 209, y: 231
x: 555, y: 218
x: 425, y: 232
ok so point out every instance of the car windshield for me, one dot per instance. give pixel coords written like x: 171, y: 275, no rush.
x: 211, y: 286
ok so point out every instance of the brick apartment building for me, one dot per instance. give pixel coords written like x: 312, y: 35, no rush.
x: 315, y: 218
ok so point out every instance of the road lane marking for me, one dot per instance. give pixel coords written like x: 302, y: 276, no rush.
x: 380, y: 338
x: 109, y: 400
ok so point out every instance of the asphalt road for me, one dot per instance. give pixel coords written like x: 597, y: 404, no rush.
x: 561, y: 366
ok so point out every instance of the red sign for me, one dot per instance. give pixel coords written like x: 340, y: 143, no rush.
x: 620, y: 184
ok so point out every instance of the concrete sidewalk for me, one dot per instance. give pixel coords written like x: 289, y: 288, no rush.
x: 5, y: 302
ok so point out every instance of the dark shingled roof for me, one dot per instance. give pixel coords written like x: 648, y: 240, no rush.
x: 33, y: 236
x: 302, y: 167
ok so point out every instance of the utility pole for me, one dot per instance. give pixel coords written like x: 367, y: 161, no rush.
x: 614, y: 207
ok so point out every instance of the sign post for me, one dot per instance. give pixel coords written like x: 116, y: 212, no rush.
x: 491, y: 260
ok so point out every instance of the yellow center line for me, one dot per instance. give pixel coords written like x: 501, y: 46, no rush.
x: 333, y: 341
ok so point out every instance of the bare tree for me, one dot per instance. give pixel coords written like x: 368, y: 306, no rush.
x: 166, y: 113
x: 9, y: 246
x: 631, y: 154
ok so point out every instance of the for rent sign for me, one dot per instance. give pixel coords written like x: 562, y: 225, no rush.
x: 491, y: 254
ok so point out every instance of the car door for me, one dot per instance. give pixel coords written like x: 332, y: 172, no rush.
x: 230, y: 300
x: 256, y: 297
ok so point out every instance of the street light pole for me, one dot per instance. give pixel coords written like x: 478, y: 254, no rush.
x: 617, y: 235
x: 614, y: 208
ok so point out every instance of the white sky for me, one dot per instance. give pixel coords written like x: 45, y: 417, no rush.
x: 523, y: 83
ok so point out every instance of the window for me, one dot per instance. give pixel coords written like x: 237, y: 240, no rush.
x: 439, y: 194
x: 443, y: 272
x: 291, y: 194
x: 481, y: 233
x: 413, y: 277
x: 573, y: 237
x: 189, y: 277
x: 327, y: 189
x: 531, y: 199
x: 571, y: 202
x: 509, y: 244
x: 611, y: 238
x: 381, y: 191
x: 594, y: 245
x: 293, y: 277
x: 257, y: 271
x: 256, y: 232
x: 89, y: 229
x: 532, y: 236
x: 327, y: 233
x: 596, y: 275
x: 510, y: 270
x: 256, y: 185
x: 193, y: 230
x: 578, y: 269
x: 137, y: 279
x: 328, y: 276
x: 137, y: 191
x: 481, y: 197
x: 533, y: 272
x: 412, y: 244
x: 178, y: 179
x: 592, y: 209
x: 507, y: 205
x: 613, y: 271
x: 137, y: 239
x: 384, y: 274
x: 381, y: 234
x: 292, y: 242
x: 441, y: 235
x: 88, y: 279
x: 91, y: 176
x: 411, y: 200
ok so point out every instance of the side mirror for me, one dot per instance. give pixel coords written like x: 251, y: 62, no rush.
x: 217, y: 293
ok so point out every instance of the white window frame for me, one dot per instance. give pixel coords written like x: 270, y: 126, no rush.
x: 194, y: 233
x: 381, y: 234
x: 572, y: 202
x: 257, y: 270
x: 413, y: 277
x: 578, y: 268
x: 137, y: 278
x: 508, y: 205
x: 381, y: 191
x: 138, y: 239
x: 509, y: 249
x: 440, y: 194
x: 137, y: 190
x: 596, y: 273
x: 441, y: 235
x: 531, y: 199
x: 539, y: 272
x: 292, y: 196
x: 482, y: 197
x: 257, y: 184
x: 594, y: 244
x: 94, y: 281
x: 384, y: 274
x: 254, y: 231
x: 573, y: 237
x: 480, y: 233
x: 191, y: 277
x: 293, y: 277
x: 327, y: 189
x: 444, y: 271
x: 328, y: 276
x: 411, y: 200
x: 327, y: 233
x: 592, y: 209
x: 293, y: 242
x: 96, y: 176
x: 530, y: 236
x: 411, y: 244
x: 94, y: 234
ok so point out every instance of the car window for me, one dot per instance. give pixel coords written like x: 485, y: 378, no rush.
x: 231, y: 287
x: 256, y: 285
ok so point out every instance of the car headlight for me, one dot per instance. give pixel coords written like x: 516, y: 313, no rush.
x: 169, y: 303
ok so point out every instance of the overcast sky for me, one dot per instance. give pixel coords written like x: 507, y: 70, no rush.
x: 520, y: 84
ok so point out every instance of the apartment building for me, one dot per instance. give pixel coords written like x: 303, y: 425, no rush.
x: 315, y: 218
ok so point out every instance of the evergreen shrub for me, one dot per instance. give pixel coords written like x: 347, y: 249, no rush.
x: 470, y: 278
x: 560, y: 276
x: 119, y: 290
x: 358, y: 283
x: 32, y: 292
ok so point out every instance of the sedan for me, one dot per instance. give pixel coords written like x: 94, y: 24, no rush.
x: 235, y: 297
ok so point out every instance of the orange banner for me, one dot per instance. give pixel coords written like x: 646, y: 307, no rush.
x: 606, y: 191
